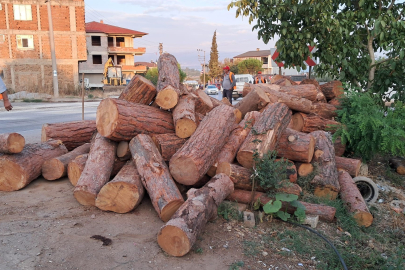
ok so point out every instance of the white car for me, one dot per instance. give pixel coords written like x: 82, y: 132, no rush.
x: 211, y: 90
x: 241, y: 79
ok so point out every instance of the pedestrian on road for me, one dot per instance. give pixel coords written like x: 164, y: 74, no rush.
x: 4, y: 96
x: 259, y: 78
x: 228, y: 84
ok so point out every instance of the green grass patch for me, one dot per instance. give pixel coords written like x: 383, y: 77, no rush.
x: 228, y: 211
x: 32, y: 100
x: 236, y: 265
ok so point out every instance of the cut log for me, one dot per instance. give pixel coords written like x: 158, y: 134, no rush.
x: 168, y: 84
x: 398, y: 165
x: 335, y: 102
x: 313, y: 122
x: 167, y: 144
x: 246, y: 89
x: 196, y: 156
x: 332, y: 89
x: 97, y: 171
x: 203, y: 103
x: 122, y: 194
x: 254, y: 101
x: 139, y: 90
x: 180, y: 233
x: 264, y: 134
x: 121, y: 120
x: 324, y: 110
x: 123, y: 151
x: 352, y: 166
x: 56, y: 168
x: 353, y: 200
x: 339, y: 147
x: 310, y: 81
x: 276, y: 78
x: 325, y: 213
x: 307, y: 91
x: 304, y: 169
x: 320, y: 96
x: 11, y: 143
x: 283, y: 82
x: 155, y: 176
x: 326, y: 183
x: 297, y: 122
x: 72, y: 134
x: 184, y: 117
x: 296, y: 146
x: 18, y: 170
x: 226, y: 101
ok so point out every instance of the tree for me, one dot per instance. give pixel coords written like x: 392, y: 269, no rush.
x: 251, y: 66
x: 347, y: 35
x: 213, y: 63
x: 152, y: 75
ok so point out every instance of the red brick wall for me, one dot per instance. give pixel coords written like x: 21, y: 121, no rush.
x: 23, y: 25
x: 81, y: 47
x: 60, y: 18
x: 3, y: 24
x: 80, y: 19
x: 24, y: 54
x: 63, y: 47
x: 4, y: 48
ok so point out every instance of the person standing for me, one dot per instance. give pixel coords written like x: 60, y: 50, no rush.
x: 259, y: 78
x: 228, y: 84
x: 4, y: 96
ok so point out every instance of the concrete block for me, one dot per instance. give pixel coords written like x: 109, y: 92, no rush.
x: 249, y: 219
x: 312, y: 221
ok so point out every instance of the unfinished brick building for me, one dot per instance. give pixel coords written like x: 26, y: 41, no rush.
x: 25, y: 54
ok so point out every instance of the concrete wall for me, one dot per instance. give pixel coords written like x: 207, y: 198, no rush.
x: 88, y: 66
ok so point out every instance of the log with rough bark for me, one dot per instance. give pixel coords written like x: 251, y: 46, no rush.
x: 155, y: 176
x: 72, y: 134
x: 238, y: 113
x: 168, y: 84
x: 124, y: 193
x: 297, y: 122
x: 56, y: 168
x: 325, y: 212
x: 254, y: 101
x: 123, y: 151
x: 167, y: 144
x: 196, y: 156
x: 339, y: 147
x: 320, y: 96
x: 353, y: 200
x: 179, y: 234
x: 335, y: 102
x: 307, y: 91
x: 184, y: 117
x: 203, y: 103
x: 276, y: 78
x: 264, y: 134
x: 283, y: 82
x: 11, y: 143
x: 326, y: 183
x: 139, y: 90
x: 312, y: 122
x: 97, y: 171
x: 304, y: 169
x: 398, y: 165
x: 324, y: 110
x: 226, y: 101
x: 332, y: 89
x: 121, y: 120
x: 18, y: 170
x: 296, y: 146
x: 351, y: 165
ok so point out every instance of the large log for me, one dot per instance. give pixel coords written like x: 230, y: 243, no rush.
x: 264, y: 134
x: 167, y: 144
x: 332, y: 89
x: 297, y: 122
x: 179, y: 235
x: 121, y: 120
x: 320, y: 96
x: 97, y: 171
x: 56, y: 168
x: 312, y: 122
x: 155, y: 176
x: 339, y: 147
x: 139, y: 90
x: 72, y: 134
x: 353, y: 200
x: 351, y: 165
x: 18, y: 170
x: 335, y: 102
x: 276, y: 78
x: 11, y: 143
x: 324, y: 110
x: 296, y: 146
x: 326, y: 183
x: 283, y: 82
x: 398, y: 165
x: 203, y: 103
x: 196, y: 156
x: 168, y: 84
x: 254, y: 101
x: 184, y: 117
x: 325, y: 213
x: 124, y: 193
x: 307, y: 91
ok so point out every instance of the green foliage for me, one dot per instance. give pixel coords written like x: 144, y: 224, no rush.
x: 183, y: 75
x: 268, y: 172
x: 275, y: 207
x: 207, y: 77
x: 32, y: 100
x: 228, y: 211
x: 367, y: 128
x: 90, y: 96
x: 152, y: 75
x: 236, y: 265
x: 234, y: 69
x: 213, y: 65
x: 251, y: 66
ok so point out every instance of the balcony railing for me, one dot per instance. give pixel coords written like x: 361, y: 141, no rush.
x: 139, y: 51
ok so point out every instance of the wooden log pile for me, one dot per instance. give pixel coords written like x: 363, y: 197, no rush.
x: 159, y: 139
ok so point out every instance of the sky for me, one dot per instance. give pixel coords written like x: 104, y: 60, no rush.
x: 183, y: 26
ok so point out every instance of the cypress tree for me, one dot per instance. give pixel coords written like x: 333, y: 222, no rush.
x: 213, y: 65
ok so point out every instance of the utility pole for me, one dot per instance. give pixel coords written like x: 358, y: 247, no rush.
x: 52, y: 43
x: 202, y: 61
x: 160, y: 48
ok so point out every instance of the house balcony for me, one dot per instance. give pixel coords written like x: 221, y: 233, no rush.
x: 135, y: 51
x: 135, y: 69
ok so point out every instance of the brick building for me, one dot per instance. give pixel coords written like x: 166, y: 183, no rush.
x: 25, y: 54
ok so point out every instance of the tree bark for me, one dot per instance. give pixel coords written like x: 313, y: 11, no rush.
x: 398, y: 165
x: 168, y: 85
x: 97, y: 171
x: 121, y: 120
x: 307, y: 91
x: 226, y: 101
x: 168, y: 144
x: 72, y: 134
x: 326, y: 183
x: 333, y: 89
x: 320, y: 98
x: 194, y: 158
x: 297, y: 122
x: 324, y: 110
x: 304, y: 169
x: 339, y: 147
x: 56, y: 168
x: 313, y: 122
x: 123, y: 151
x: 124, y: 193
x: 11, y: 143
x: 203, y: 103
x: 184, y: 117
x: 335, y: 102
x: 353, y: 200
x: 139, y: 90
x: 283, y: 82
x: 254, y: 101
x: 276, y: 78
x: 180, y: 233
x: 18, y: 170
x: 296, y: 146
x: 352, y: 166
x: 325, y: 213
x: 264, y: 134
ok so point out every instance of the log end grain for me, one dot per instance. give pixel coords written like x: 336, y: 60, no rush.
x: 118, y: 197
x: 297, y: 122
x: 305, y: 169
x: 174, y: 241
x: 245, y: 158
x: 15, y: 143
x: 167, y: 98
x: 170, y: 208
x: 184, y: 170
x: 212, y: 171
x: 185, y: 128
x: 326, y: 192
x: 238, y: 116
x: 224, y: 167
x: 106, y: 118
x: 122, y: 149
x: 363, y: 218
x: 53, y: 169
x: 84, y: 197
x: 12, y: 176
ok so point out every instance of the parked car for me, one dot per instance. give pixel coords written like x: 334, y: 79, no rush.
x: 211, y: 89
x: 241, y: 79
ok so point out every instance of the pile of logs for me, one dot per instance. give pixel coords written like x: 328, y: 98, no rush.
x: 168, y: 140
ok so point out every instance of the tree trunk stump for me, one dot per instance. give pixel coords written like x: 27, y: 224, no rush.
x: 296, y: 146
x: 139, y: 90
x: 184, y: 117
x: 11, y: 143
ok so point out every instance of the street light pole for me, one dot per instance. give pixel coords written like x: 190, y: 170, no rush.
x: 52, y: 44
x: 199, y: 58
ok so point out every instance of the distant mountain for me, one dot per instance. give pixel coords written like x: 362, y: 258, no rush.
x: 191, y: 71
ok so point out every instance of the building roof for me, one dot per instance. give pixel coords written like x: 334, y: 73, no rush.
x: 256, y: 53
x: 96, y: 27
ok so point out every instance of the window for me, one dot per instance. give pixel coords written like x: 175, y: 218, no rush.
x: 120, y: 42
x: 95, y: 41
x: 120, y: 59
x: 25, y: 42
x: 265, y: 60
x: 22, y: 12
x: 110, y: 42
x: 97, y: 60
